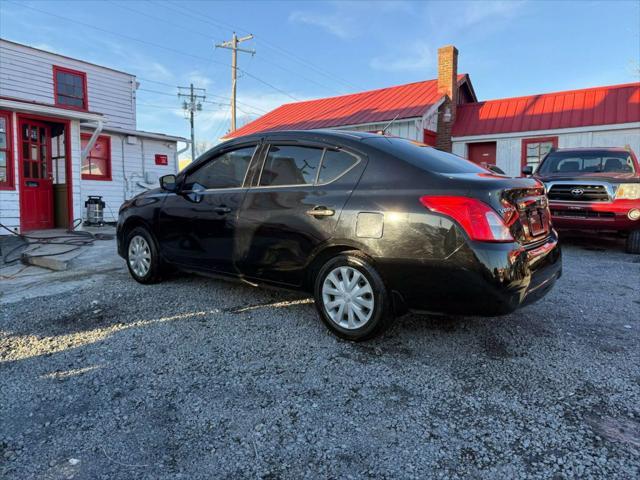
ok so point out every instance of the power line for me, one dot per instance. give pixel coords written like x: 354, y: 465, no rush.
x: 212, y: 21
x: 192, y: 30
x: 207, y: 101
x: 169, y: 49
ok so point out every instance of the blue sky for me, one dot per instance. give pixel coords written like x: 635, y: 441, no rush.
x: 315, y: 49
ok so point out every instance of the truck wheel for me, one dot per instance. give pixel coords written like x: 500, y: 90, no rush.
x: 633, y: 242
x: 351, y: 298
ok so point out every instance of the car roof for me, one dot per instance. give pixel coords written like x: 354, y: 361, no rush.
x: 326, y: 134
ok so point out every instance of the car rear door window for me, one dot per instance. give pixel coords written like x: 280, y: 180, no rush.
x: 290, y: 165
x: 334, y: 164
x: 224, y: 171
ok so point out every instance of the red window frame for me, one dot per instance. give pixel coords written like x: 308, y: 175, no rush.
x: 107, y: 141
x: 527, y: 141
x: 9, y: 183
x: 83, y: 75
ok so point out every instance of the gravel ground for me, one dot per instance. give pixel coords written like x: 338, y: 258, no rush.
x: 200, y: 378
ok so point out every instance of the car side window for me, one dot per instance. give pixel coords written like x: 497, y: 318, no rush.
x: 224, y: 171
x: 290, y: 165
x: 334, y: 164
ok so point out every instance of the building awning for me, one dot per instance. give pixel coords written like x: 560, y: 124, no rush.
x: 144, y: 134
x: 40, y: 108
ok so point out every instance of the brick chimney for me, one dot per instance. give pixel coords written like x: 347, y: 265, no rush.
x: 447, y: 86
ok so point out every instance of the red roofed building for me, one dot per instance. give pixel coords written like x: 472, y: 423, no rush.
x: 515, y: 132
x: 445, y: 113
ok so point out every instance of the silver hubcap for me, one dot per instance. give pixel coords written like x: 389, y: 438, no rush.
x: 139, y: 256
x: 347, y: 297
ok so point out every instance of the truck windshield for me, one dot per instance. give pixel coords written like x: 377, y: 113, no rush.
x: 587, y: 162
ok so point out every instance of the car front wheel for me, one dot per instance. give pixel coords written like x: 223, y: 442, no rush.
x: 351, y: 297
x: 143, y: 259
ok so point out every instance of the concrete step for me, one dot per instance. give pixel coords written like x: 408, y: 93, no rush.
x: 51, y: 256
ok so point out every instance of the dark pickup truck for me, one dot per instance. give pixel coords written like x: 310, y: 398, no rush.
x: 593, y: 189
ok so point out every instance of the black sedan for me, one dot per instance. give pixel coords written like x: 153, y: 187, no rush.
x: 373, y: 226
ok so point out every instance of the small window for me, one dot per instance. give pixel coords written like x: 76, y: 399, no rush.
x: 535, y: 149
x: 335, y: 164
x: 6, y: 158
x: 97, y: 165
x: 224, y: 171
x: 290, y: 165
x: 70, y: 88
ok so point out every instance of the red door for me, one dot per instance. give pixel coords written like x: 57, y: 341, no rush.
x: 36, y: 184
x: 483, y: 152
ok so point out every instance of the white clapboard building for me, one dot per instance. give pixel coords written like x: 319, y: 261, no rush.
x: 67, y: 132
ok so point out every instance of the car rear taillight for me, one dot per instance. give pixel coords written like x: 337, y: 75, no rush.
x: 479, y: 220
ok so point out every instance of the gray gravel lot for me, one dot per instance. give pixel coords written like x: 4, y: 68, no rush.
x: 201, y: 378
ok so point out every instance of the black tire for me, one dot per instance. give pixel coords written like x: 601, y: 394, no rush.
x: 154, y: 272
x: 633, y: 242
x: 381, y: 316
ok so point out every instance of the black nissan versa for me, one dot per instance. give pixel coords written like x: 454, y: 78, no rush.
x: 372, y: 225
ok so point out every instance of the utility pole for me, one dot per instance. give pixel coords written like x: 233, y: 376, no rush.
x: 193, y: 104
x: 233, y: 46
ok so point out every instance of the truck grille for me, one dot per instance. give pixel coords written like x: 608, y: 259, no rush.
x: 582, y: 214
x: 578, y: 193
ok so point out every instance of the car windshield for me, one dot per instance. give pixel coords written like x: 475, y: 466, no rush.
x: 424, y: 156
x: 587, y: 162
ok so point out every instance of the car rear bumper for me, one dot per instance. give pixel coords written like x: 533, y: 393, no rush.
x: 595, y: 215
x: 485, y: 279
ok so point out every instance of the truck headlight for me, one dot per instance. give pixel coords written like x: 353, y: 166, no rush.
x: 628, y: 191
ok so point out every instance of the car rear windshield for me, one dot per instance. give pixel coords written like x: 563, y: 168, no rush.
x: 423, y: 156
x: 587, y: 162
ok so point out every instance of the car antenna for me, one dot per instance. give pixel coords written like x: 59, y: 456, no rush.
x: 384, y: 130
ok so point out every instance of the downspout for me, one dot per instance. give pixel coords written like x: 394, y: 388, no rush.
x: 142, y: 153
x: 180, y: 152
x: 124, y: 177
x: 92, y: 141
x: 85, y: 152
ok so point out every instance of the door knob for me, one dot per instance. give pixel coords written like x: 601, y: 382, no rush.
x: 321, y: 212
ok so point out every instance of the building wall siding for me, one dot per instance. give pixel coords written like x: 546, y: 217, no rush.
x: 130, y: 175
x: 509, y: 150
x: 27, y: 73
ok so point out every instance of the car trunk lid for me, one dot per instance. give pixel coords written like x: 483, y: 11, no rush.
x: 520, y: 202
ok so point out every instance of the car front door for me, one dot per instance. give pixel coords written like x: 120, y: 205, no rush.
x: 198, y: 223
x: 293, y: 207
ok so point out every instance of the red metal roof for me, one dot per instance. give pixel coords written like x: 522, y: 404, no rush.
x: 550, y: 111
x: 404, y: 101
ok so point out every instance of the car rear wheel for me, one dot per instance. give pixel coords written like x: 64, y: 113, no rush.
x: 351, y: 297
x: 143, y: 259
x: 633, y: 242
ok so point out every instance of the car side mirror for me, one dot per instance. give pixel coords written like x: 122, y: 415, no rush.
x: 168, y: 183
x: 528, y: 170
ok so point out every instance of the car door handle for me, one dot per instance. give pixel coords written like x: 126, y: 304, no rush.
x: 321, y: 212
x: 222, y: 209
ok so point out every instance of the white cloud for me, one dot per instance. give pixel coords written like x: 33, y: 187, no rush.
x: 419, y: 57
x: 334, y: 23
x: 476, y: 12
